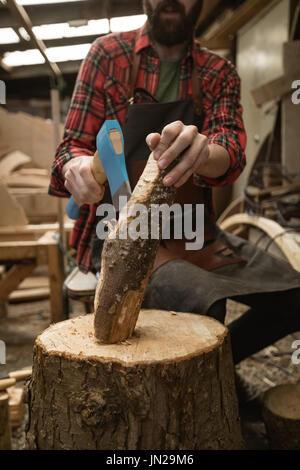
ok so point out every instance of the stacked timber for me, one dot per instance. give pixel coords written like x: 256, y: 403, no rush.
x: 26, y: 155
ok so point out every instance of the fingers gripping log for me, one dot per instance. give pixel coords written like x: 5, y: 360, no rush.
x: 127, y: 263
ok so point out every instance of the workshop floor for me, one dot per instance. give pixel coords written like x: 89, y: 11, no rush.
x: 270, y: 367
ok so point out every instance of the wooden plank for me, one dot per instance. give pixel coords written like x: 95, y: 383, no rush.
x: 25, y: 181
x: 16, y: 406
x: 13, y: 278
x: 11, y: 211
x: 275, y: 89
x: 33, y: 172
x: 28, y: 295
x: 34, y: 282
x: 34, y: 229
x: 31, y: 288
x: 12, y: 251
x: 12, y: 161
x: 56, y: 275
x: 273, y: 191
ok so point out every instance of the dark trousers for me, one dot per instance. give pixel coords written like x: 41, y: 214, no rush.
x: 272, y: 315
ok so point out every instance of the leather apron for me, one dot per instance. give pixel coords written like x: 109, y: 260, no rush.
x: 148, y: 116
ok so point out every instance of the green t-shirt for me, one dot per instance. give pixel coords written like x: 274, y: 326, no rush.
x: 168, y: 82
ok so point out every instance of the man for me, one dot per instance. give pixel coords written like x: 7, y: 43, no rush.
x: 186, y: 102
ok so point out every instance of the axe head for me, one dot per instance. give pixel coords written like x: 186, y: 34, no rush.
x: 110, y: 146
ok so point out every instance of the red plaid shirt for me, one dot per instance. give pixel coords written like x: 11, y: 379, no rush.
x: 102, y: 91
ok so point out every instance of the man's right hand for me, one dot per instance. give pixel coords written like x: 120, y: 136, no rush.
x: 80, y: 182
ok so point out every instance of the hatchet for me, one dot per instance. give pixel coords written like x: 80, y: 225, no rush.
x: 108, y: 164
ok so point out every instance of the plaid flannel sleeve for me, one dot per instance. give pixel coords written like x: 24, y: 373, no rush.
x: 224, y: 126
x: 85, y: 117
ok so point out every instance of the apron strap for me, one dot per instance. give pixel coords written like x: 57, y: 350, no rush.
x: 135, y: 68
x: 196, y: 92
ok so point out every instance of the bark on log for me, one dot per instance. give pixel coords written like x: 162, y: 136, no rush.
x: 5, y: 439
x: 281, y: 414
x: 126, y: 263
x: 170, y: 387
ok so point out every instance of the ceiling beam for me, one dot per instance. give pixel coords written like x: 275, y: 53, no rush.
x: 4, y: 67
x: 39, y: 70
x: 25, y: 45
x: 222, y: 31
x: 23, y: 19
x: 211, y: 10
x: 61, y: 13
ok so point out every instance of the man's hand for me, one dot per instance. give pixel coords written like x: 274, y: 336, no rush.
x: 197, y: 156
x: 80, y: 182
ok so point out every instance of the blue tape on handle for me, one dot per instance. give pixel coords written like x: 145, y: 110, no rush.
x: 73, y: 210
x: 115, y: 170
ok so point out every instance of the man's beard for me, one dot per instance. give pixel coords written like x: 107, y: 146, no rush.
x: 171, y: 32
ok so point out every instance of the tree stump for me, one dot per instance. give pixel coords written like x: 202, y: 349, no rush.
x: 170, y: 386
x: 281, y: 414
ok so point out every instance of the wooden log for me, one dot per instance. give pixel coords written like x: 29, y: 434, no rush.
x: 171, y: 386
x: 5, y: 438
x: 281, y: 414
x: 126, y: 263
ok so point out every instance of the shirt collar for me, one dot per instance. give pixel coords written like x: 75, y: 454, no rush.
x: 143, y: 41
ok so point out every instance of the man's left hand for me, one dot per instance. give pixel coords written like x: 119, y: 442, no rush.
x: 176, y: 139
x: 199, y: 157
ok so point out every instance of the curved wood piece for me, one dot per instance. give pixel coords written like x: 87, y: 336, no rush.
x: 283, y: 239
x: 13, y: 161
x: 235, y: 207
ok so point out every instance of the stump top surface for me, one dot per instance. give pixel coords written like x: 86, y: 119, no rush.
x: 159, y: 336
x: 284, y: 400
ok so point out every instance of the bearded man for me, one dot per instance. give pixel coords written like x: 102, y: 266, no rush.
x: 175, y: 98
